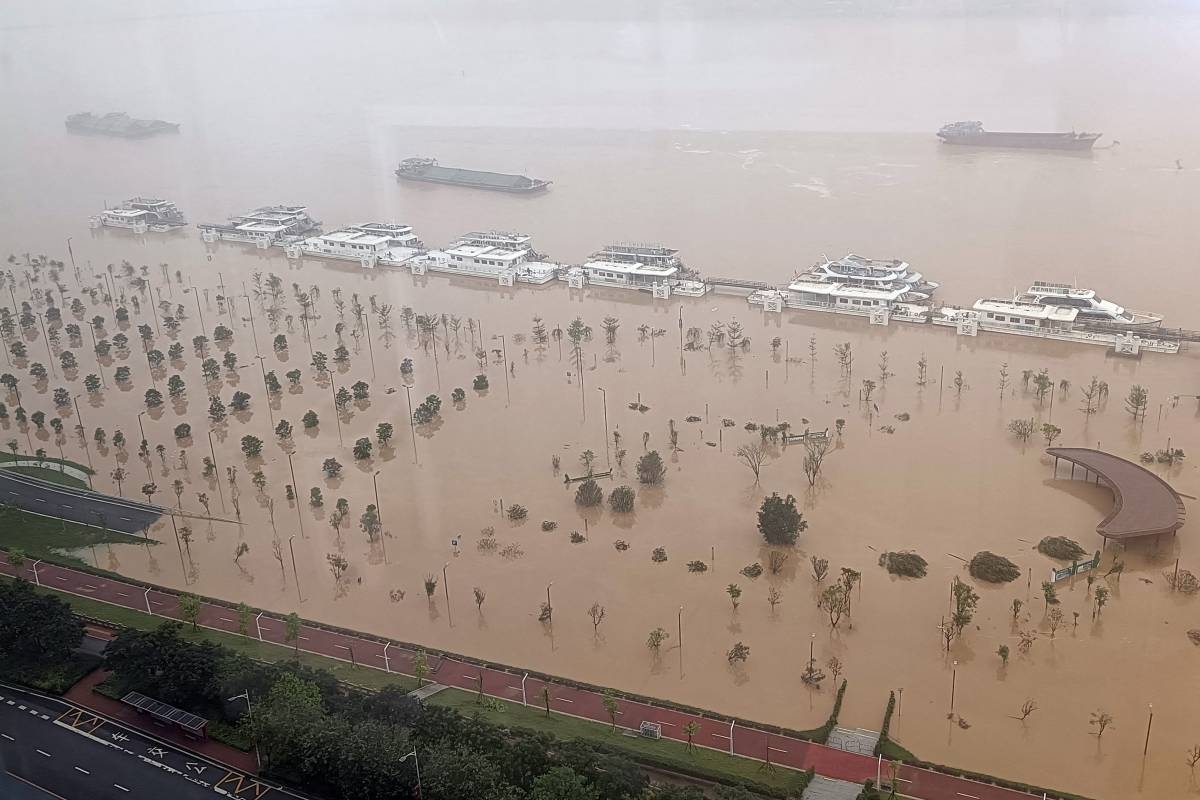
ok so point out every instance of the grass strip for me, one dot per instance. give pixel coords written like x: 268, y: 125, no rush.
x: 662, y: 753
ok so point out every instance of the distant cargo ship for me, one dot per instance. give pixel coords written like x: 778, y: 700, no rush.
x: 973, y: 133
x: 118, y: 123
x: 428, y: 170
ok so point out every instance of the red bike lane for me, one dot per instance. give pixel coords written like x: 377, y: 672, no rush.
x: 716, y: 734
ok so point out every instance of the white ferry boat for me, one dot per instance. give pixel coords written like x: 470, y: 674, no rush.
x: 643, y: 267
x: 370, y: 244
x: 868, y: 273
x: 1026, y: 318
x: 503, y: 256
x: 141, y: 214
x: 263, y: 227
x: 1091, y: 308
x: 854, y: 285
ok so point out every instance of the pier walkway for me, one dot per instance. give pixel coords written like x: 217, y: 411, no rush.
x: 1143, y: 503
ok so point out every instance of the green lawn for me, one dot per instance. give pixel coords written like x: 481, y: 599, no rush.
x: 6, y: 455
x: 50, y: 539
x: 664, y: 753
x: 50, y: 475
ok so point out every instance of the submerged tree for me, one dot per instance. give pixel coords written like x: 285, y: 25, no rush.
x: 778, y: 520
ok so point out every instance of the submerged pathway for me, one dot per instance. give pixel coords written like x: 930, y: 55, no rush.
x: 518, y: 687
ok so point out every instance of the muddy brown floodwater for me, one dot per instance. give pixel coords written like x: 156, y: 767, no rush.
x: 948, y: 482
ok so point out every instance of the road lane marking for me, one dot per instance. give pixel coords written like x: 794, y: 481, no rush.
x: 127, y: 519
x: 59, y: 578
x: 971, y: 796
x: 225, y: 619
x: 64, y: 505
x: 84, y: 771
x: 776, y: 749
x: 22, y: 708
x: 122, y: 594
x: 119, y: 786
x: 565, y: 700
x: 342, y: 646
x: 40, y: 500
x: 43, y: 752
x: 6, y: 736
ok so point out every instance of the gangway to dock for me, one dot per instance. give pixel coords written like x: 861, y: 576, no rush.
x: 1158, y: 332
x: 738, y: 283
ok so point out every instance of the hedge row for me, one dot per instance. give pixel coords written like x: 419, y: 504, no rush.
x: 887, y: 723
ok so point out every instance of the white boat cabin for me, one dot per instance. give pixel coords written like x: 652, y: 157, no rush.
x: 628, y: 274
x: 264, y: 226
x: 368, y: 243
x: 141, y: 214
x: 1016, y: 313
x: 840, y: 295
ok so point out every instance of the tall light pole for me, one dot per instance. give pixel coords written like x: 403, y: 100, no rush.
x: 504, y: 355
x: 679, y: 632
x: 446, y: 589
x: 812, y: 637
x: 146, y: 442
x: 417, y: 761
x: 250, y: 713
x: 371, y: 347
x: 262, y: 365
x: 604, y: 395
x: 46, y: 340
x: 1149, y: 722
x: 379, y: 515
x: 953, y: 683
x: 296, y: 489
x: 296, y: 574
x: 87, y: 450
x: 337, y: 415
x: 253, y: 333
x: 549, y: 607
x: 412, y: 424
x: 213, y: 452
x: 196, y: 295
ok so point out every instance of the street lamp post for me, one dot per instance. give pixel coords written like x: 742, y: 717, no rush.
x: 337, y: 416
x: 250, y: 713
x: 296, y: 574
x: 549, y: 607
x: 446, y: 589
x: 679, y: 632
x: 417, y: 761
x: 142, y: 431
x: 46, y: 340
x: 504, y: 355
x: 412, y: 424
x: 371, y: 347
x: 296, y: 489
x: 379, y: 515
x: 87, y: 450
x: 604, y: 395
x: 253, y: 332
x: 213, y: 452
x: 812, y: 638
x: 953, y: 684
x: 262, y: 365
x: 196, y: 295
x: 1149, y: 722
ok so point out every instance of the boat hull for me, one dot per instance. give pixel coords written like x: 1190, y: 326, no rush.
x: 534, y: 186
x: 1031, y: 141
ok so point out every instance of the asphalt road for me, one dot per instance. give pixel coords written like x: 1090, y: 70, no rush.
x: 76, y: 505
x: 71, y: 753
x: 715, y: 733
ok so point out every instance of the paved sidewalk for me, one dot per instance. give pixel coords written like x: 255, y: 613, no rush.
x: 81, y: 694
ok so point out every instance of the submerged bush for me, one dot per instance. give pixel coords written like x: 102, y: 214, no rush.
x: 589, y: 494
x: 993, y: 568
x: 517, y: 512
x: 752, y: 570
x: 621, y: 499
x: 1060, y: 547
x: 909, y: 565
x: 697, y: 566
x: 658, y: 555
x: 549, y: 525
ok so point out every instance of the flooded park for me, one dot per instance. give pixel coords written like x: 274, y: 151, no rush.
x: 408, y: 455
x: 931, y: 467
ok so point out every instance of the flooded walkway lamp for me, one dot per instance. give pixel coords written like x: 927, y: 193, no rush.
x: 379, y: 516
x: 504, y: 355
x: 604, y: 396
x: 679, y: 632
x: 295, y: 572
x: 953, y: 683
x: 1149, y: 722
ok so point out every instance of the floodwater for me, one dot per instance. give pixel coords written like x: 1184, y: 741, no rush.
x: 667, y: 128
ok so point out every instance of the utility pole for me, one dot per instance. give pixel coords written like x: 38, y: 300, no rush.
x: 295, y: 574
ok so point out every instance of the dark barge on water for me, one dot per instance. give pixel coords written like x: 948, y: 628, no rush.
x: 973, y: 134
x: 118, y: 123
x: 429, y: 171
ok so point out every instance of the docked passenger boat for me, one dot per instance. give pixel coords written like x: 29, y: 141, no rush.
x: 855, y: 285
x: 141, y: 214
x: 263, y: 227
x: 1025, y: 317
x: 428, y: 170
x: 370, y: 244
x: 505, y: 257
x: 1092, y: 310
x: 645, y: 267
